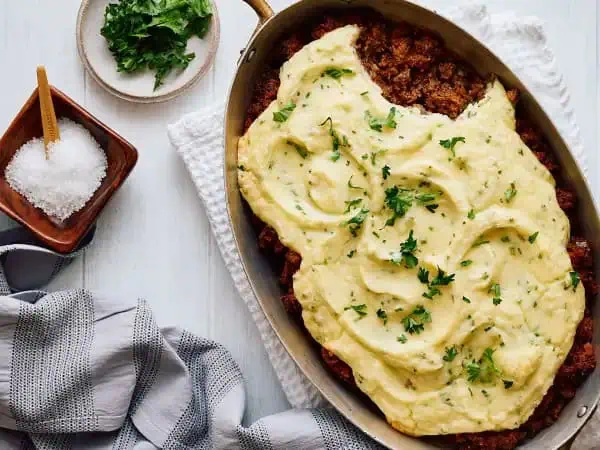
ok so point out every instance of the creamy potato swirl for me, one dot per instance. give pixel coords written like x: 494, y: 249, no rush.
x: 434, y: 259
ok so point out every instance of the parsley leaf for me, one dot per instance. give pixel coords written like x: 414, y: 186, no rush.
x: 510, y: 193
x: 451, y: 353
x: 471, y: 214
x: 473, y: 371
x: 378, y: 124
x: 361, y: 310
x: 374, y: 156
x: 451, y: 143
x: 355, y: 223
x: 352, y: 203
x: 382, y: 315
x: 495, y: 290
x: 483, y: 370
x: 508, y: 384
x: 154, y: 35
x: 336, y: 73
x: 574, y: 280
x: 351, y: 253
x: 433, y: 291
x: 415, y: 322
x: 402, y: 339
x: 466, y: 263
x: 336, y: 143
x: 431, y: 208
x: 284, y: 113
x: 386, y: 170
x: 480, y: 241
x: 425, y: 197
x: 442, y: 279
x: 406, y: 253
x: 301, y: 150
x: 351, y: 186
x: 533, y: 237
x: 466, y: 299
x: 399, y: 201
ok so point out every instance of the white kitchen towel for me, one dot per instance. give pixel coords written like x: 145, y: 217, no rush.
x: 198, y: 138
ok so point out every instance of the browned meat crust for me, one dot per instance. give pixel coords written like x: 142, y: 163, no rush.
x: 341, y: 370
x: 413, y: 66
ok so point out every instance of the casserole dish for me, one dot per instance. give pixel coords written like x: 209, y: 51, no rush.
x: 271, y: 29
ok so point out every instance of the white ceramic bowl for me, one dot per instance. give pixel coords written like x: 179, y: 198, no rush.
x: 139, y: 87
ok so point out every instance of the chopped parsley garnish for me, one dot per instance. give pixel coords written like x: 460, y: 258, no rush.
x: 510, y: 193
x: 406, y: 254
x: 483, y: 370
x: 336, y: 73
x: 386, y: 170
x: 431, y: 208
x: 351, y: 253
x: 425, y: 198
x: 382, y: 315
x: 451, y: 353
x: 361, y: 310
x: 480, y: 241
x: 400, y: 200
x: 374, y: 156
x: 415, y: 322
x: 471, y: 214
x: 378, y: 124
x: 364, y: 93
x: 242, y: 168
x: 473, y: 371
x: 355, y: 223
x: 533, y: 237
x: 284, y: 113
x: 466, y: 299
x: 466, y: 263
x: 496, y: 292
x: 352, y: 203
x: 301, y: 150
x: 574, y: 280
x: 451, y: 143
x: 441, y: 279
x: 351, y: 186
x: 508, y: 384
x: 336, y: 143
x: 432, y: 292
x: 402, y: 339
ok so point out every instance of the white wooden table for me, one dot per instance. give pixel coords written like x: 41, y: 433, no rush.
x: 154, y: 240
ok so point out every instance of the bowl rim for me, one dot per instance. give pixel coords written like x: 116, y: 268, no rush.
x: 146, y: 99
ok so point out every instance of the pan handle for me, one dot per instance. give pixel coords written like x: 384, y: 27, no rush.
x: 262, y: 9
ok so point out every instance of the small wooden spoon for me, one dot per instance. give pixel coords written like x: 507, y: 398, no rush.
x: 49, y: 122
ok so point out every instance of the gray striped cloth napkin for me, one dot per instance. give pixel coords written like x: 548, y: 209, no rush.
x: 80, y: 371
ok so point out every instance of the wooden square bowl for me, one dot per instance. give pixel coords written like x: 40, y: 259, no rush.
x: 62, y: 237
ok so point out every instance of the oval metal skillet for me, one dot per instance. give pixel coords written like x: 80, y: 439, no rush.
x: 263, y: 279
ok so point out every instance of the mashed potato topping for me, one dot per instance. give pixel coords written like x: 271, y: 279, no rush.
x: 434, y: 260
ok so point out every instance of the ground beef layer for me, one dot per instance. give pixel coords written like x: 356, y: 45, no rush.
x: 413, y: 67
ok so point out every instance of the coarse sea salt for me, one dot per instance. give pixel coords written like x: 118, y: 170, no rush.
x: 62, y: 184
